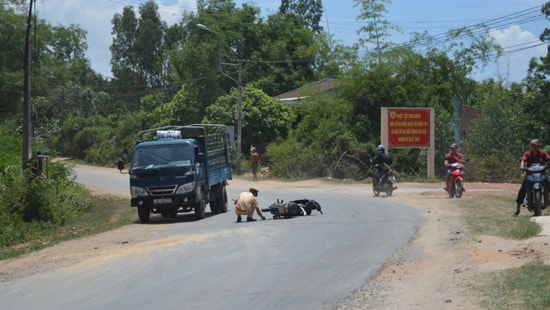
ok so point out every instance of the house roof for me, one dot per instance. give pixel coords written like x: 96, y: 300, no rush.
x: 308, y: 90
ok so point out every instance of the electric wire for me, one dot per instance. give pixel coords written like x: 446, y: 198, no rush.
x: 477, y: 29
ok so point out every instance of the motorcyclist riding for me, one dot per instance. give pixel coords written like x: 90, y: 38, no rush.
x: 534, y: 155
x: 381, y: 165
x: 454, y: 156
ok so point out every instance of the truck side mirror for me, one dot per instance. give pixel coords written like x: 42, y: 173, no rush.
x: 201, y: 158
x: 120, y: 165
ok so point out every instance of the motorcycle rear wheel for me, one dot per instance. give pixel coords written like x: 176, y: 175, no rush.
x: 389, y: 191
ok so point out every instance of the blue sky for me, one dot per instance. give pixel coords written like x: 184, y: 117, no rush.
x: 516, y: 24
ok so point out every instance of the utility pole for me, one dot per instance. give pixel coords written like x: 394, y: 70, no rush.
x: 240, y: 117
x: 27, y: 104
x: 239, y: 87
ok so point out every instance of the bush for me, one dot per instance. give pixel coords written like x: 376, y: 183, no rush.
x: 29, y: 205
x: 291, y: 159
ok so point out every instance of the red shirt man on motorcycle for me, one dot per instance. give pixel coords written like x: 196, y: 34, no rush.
x: 454, y: 156
x: 534, y: 155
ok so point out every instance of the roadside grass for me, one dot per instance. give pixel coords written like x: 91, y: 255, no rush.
x: 491, y: 215
x: 524, y: 287
x: 108, y: 213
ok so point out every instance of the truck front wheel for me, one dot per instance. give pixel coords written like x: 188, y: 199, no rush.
x: 200, y: 206
x: 144, y: 214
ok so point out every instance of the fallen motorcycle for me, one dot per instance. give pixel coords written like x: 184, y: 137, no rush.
x: 293, y: 208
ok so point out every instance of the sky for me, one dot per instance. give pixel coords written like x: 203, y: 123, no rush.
x: 516, y: 24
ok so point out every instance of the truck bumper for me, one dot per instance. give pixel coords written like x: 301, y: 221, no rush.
x: 160, y: 204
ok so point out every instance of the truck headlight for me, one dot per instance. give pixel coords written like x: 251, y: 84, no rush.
x: 185, y: 188
x: 138, y: 191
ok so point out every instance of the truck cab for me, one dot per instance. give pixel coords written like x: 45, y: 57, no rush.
x: 180, y: 169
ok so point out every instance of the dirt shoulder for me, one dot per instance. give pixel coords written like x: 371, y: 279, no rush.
x: 437, y: 270
x: 434, y: 272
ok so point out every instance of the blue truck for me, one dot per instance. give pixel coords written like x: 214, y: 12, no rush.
x: 176, y: 169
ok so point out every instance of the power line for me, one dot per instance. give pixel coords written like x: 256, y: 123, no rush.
x: 503, y: 22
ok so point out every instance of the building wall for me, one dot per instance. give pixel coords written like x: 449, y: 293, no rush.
x: 469, y: 115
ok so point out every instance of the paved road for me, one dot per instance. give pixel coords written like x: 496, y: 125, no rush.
x: 307, y: 262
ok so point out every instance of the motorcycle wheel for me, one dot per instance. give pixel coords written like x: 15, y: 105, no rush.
x: 458, y: 189
x: 389, y: 191
x: 451, y: 189
x: 537, y: 201
x: 374, y: 189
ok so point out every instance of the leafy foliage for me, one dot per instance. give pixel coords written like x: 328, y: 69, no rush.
x: 264, y: 118
x: 28, y: 203
x: 311, y: 10
x: 499, y: 137
x: 181, y: 74
x: 321, y: 145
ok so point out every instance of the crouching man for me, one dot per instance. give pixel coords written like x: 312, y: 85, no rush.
x: 246, y: 204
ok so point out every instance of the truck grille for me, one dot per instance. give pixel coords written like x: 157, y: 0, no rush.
x: 162, y: 190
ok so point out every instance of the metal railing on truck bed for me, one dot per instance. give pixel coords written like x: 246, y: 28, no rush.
x: 212, y: 137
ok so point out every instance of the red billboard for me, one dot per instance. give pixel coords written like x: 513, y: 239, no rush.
x: 408, y: 127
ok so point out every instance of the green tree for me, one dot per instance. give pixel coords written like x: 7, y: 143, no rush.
x: 310, y: 10
x: 537, y: 88
x: 333, y: 58
x: 322, y: 144
x: 377, y: 28
x: 537, y: 94
x: 500, y: 135
x: 264, y: 119
x: 138, y: 52
x: 545, y: 35
x: 12, y: 38
x: 277, y: 54
x: 285, y: 57
x: 183, y: 109
x: 149, y: 45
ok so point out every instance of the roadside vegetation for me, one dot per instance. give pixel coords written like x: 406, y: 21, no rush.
x: 524, y: 287
x: 170, y: 75
x: 37, y: 212
x: 103, y: 214
x: 491, y: 215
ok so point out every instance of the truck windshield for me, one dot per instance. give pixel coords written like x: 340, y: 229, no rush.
x: 162, y: 155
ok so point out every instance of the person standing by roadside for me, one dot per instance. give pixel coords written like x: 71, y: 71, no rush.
x: 534, y: 155
x: 254, y: 162
x: 246, y: 204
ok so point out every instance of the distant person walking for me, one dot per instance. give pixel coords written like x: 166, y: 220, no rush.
x: 254, y: 162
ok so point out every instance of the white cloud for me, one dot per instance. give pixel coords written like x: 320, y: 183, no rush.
x: 95, y: 17
x: 519, y: 47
